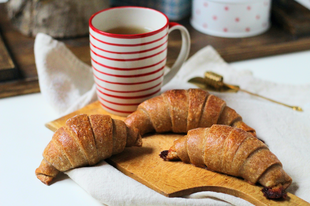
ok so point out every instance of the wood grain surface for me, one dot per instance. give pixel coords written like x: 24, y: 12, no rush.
x: 8, y: 71
x: 292, y: 16
x: 273, y: 42
x: 175, y: 179
x: 21, y: 48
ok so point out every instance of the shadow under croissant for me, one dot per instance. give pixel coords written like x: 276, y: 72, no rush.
x: 293, y: 188
x: 131, y: 153
x: 60, y: 177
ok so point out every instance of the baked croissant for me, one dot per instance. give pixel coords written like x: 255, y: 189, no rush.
x: 84, y: 140
x: 182, y: 110
x: 234, y: 152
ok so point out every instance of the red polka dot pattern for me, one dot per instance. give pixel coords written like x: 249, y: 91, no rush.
x: 231, y: 19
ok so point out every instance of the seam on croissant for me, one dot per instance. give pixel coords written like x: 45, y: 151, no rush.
x: 75, y: 138
x: 250, y: 155
x: 238, y: 119
x: 148, y: 115
x: 202, y: 108
x: 224, y: 146
x: 187, y: 153
x: 205, y: 133
x: 269, y: 168
x: 238, y: 150
x: 113, y: 137
x: 40, y: 173
x: 187, y: 98
x: 221, y: 111
x: 167, y: 106
x: 93, y: 134
x: 61, y: 151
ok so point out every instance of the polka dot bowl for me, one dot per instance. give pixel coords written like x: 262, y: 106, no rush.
x: 231, y: 18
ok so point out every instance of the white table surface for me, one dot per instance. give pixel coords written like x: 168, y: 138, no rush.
x: 23, y: 137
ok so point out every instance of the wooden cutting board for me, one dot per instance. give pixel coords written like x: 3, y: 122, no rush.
x: 174, y: 179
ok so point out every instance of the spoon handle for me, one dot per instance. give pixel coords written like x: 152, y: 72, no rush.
x: 296, y: 108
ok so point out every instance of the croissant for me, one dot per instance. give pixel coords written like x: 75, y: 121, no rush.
x: 234, y: 152
x: 84, y: 140
x: 182, y: 110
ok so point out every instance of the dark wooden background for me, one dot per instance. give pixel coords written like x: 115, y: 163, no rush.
x: 273, y: 42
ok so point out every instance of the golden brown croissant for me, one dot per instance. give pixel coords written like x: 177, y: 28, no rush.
x: 84, y: 140
x: 234, y: 152
x: 181, y: 110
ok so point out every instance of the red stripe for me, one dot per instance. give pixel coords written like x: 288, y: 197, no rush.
x: 132, y: 104
x: 128, y: 69
x: 115, y: 110
x: 134, y: 97
x: 129, y: 36
x: 134, y: 83
x: 123, y: 60
x: 130, y: 76
x: 132, y: 91
x: 133, y: 52
x: 129, y: 45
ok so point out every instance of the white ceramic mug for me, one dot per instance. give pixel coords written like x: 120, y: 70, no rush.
x: 231, y: 18
x: 129, y: 68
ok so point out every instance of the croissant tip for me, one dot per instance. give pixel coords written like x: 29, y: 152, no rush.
x: 139, y: 142
x: 45, y: 179
x: 274, y: 192
x: 164, y: 155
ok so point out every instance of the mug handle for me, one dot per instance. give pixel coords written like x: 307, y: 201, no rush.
x: 186, y: 43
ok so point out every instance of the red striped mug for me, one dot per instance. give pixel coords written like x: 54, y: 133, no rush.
x: 130, y: 68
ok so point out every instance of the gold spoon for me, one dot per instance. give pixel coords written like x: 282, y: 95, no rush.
x: 214, y: 82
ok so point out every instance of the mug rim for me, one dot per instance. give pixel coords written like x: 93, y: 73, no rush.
x: 127, y: 36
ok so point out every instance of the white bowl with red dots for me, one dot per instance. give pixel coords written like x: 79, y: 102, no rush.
x: 231, y: 18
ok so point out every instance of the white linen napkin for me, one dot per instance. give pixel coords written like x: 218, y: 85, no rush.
x: 67, y: 84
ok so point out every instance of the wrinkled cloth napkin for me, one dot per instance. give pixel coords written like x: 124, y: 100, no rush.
x: 67, y: 84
